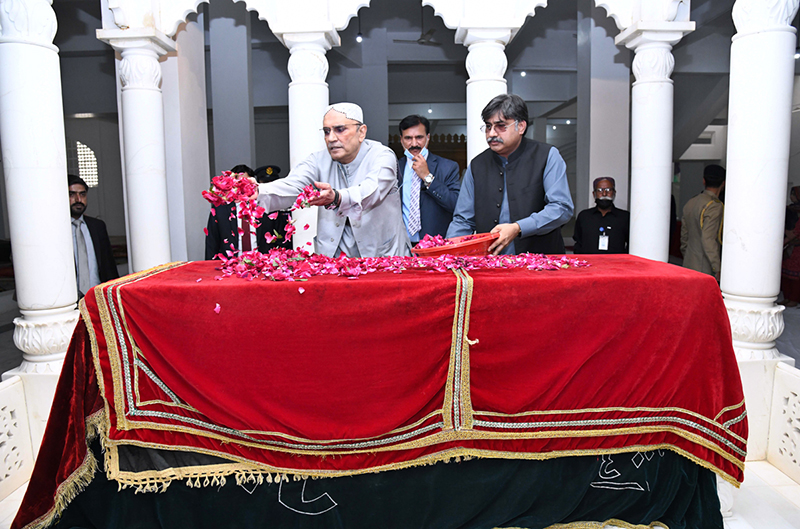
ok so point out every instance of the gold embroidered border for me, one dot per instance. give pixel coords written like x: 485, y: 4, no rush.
x: 599, y: 525
x: 240, y: 465
x: 465, y: 409
x: 607, y: 523
x: 455, y: 348
x: 625, y: 409
x: 451, y: 435
x: 464, y: 435
x: 596, y: 423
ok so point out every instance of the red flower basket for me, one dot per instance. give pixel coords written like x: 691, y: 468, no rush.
x: 477, y: 245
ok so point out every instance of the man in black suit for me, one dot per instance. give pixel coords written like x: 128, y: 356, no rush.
x: 223, y: 227
x: 94, y: 260
x: 429, y: 183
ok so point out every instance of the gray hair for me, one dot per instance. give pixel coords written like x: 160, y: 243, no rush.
x: 510, y: 106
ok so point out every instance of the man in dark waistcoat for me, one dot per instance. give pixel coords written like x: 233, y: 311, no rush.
x: 517, y: 188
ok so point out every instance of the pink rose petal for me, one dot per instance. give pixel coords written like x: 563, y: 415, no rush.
x: 216, y: 309
x: 301, y: 290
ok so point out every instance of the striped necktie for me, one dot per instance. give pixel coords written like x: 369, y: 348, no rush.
x: 414, y: 222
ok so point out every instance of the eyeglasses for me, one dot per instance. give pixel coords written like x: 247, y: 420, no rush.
x: 498, y: 127
x: 338, y: 129
x: 605, y: 191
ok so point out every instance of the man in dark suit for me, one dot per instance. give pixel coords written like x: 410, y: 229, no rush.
x: 223, y: 228
x: 94, y: 260
x: 429, y: 183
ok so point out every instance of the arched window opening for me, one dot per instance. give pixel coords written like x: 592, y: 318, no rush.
x: 82, y: 161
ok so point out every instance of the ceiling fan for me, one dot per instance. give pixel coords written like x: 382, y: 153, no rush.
x: 424, y: 37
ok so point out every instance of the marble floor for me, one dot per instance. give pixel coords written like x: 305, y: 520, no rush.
x: 767, y: 499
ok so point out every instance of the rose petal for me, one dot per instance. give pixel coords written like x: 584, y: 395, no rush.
x: 301, y: 290
x: 199, y: 280
x: 216, y: 309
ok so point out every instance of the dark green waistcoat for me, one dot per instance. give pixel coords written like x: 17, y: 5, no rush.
x: 525, y: 178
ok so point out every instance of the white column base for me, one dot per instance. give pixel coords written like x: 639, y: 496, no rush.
x: 758, y: 380
x: 43, y: 336
x: 756, y: 322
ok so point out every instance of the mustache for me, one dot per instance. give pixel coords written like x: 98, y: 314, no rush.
x: 494, y: 139
x: 413, y: 149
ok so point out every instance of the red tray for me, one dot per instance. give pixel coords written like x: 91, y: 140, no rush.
x: 477, y: 245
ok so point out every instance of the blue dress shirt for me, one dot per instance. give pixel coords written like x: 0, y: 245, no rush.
x: 557, y: 210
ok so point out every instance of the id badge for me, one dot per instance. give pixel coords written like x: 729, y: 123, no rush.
x: 603, y: 243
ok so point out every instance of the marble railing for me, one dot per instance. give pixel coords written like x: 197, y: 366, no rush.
x: 783, y: 449
x: 16, y: 452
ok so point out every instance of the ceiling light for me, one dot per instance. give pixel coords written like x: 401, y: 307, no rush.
x: 430, y: 110
x: 569, y: 122
x: 554, y: 127
x: 359, y: 37
x: 523, y: 73
x: 797, y: 55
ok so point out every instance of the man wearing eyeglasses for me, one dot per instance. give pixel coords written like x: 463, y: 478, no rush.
x: 603, y: 228
x: 429, y: 184
x: 517, y: 188
x: 360, y: 212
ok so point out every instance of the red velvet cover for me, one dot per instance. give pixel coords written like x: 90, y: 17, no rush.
x: 389, y: 370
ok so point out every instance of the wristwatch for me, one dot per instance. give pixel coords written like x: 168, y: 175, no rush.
x: 428, y: 180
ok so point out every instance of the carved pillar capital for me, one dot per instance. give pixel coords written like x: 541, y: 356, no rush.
x: 307, y: 61
x: 139, y: 68
x: 755, y: 325
x: 653, y: 62
x: 750, y: 16
x: 140, y: 49
x: 486, y: 60
x: 28, y: 21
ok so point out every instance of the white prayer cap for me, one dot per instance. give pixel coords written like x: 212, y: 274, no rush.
x: 350, y: 111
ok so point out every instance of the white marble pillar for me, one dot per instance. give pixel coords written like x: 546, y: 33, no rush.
x: 651, y: 150
x: 651, y: 133
x: 486, y: 65
x: 762, y: 72
x: 143, y: 134
x: 35, y: 169
x: 308, y: 99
